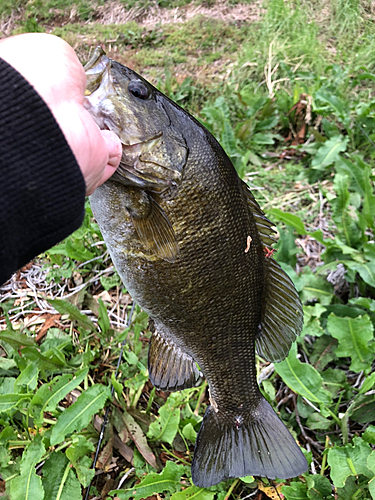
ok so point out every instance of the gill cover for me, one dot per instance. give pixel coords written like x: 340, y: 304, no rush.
x: 154, y: 149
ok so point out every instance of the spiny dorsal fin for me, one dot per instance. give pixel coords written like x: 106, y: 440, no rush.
x: 282, y: 314
x: 156, y: 232
x: 264, y: 225
x: 170, y: 369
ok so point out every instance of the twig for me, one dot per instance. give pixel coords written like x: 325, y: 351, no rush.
x: 125, y: 477
x: 200, y: 398
x: 232, y: 486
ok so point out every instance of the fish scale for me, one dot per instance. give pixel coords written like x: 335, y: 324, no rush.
x: 188, y: 238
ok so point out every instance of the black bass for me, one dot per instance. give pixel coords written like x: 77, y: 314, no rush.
x: 192, y: 246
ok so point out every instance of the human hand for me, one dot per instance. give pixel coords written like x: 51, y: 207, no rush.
x: 51, y: 66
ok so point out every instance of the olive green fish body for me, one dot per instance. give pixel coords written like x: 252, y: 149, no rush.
x: 212, y: 292
x: 188, y: 240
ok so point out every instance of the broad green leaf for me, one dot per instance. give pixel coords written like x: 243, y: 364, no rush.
x: 319, y: 487
x: 75, y: 250
x: 360, y: 172
x: 8, y: 366
x: 328, y: 153
x: 50, y: 360
x: 260, y: 138
x: 28, y: 379
x: 103, y: 320
x: 59, y: 480
x: 28, y: 486
x: 118, y: 387
x: 371, y: 487
x: 109, y: 282
x: 302, y: 378
x: 342, y: 215
x: 84, y: 471
x: 339, y: 107
x: 288, y: 219
x: 369, y: 435
x: 78, y: 416
x: 368, y: 383
x: 79, y: 447
x: 165, y: 426
x: 323, y: 352
x: 349, y: 460
x: 65, y: 307
x: 317, y: 421
x: 168, y: 480
x: 16, y: 339
x: 366, y: 272
x: 286, y: 247
x: 8, y: 401
x: 189, y: 432
x: 7, y: 385
x: 353, y: 335
x: 362, y: 408
x: 314, y: 287
x: 63, y: 387
x: 193, y: 492
x: 371, y: 460
x: 228, y: 139
x: 76, y: 453
x: 247, y: 479
x: 49, y: 395
x: 334, y: 380
x: 296, y: 491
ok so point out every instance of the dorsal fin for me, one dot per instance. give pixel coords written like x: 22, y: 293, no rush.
x: 170, y: 369
x: 282, y: 314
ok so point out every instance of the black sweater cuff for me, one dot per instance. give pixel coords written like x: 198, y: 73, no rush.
x: 42, y: 190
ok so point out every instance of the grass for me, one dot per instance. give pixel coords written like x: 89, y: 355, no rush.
x: 288, y: 90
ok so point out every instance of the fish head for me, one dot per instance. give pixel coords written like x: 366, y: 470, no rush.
x: 154, y: 150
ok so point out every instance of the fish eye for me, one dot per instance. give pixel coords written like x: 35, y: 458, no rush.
x: 139, y: 89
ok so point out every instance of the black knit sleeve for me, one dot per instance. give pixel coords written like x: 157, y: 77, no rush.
x: 42, y: 190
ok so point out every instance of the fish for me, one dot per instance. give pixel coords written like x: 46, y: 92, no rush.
x: 194, y: 249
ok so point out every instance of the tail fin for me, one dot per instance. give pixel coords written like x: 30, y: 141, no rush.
x: 260, y: 446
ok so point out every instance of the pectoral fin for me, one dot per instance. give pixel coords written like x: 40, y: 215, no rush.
x: 156, y: 233
x: 152, y: 225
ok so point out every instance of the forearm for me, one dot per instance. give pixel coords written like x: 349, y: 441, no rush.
x: 42, y: 189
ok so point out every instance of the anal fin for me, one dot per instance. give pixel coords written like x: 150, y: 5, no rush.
x: 169, y: 367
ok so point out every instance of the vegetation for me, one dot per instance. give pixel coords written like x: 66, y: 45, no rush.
x: 287, y: 87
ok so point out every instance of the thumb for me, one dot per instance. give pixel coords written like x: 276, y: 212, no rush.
x: 114, y: 147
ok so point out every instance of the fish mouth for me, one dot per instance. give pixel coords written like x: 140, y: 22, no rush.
x: 97, y: 66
